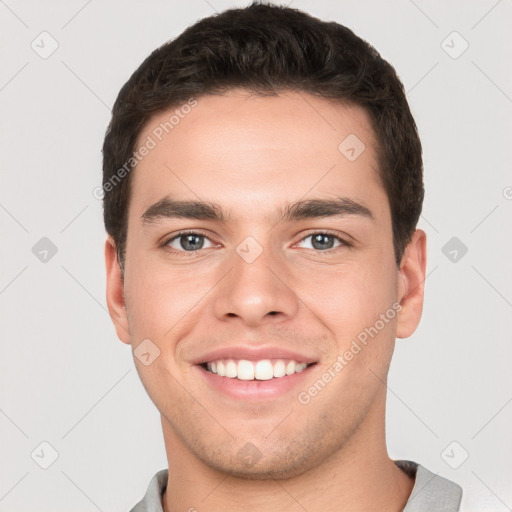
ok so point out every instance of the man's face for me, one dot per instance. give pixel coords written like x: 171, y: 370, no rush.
x: 254, y: 286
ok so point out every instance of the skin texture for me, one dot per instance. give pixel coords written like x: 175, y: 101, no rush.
x: 251, y: 155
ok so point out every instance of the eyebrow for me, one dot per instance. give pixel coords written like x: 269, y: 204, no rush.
x: 168, y: 208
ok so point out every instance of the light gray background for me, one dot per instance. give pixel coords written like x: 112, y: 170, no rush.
x: 67, y: 380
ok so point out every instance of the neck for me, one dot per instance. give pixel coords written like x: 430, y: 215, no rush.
x: 359, y: 477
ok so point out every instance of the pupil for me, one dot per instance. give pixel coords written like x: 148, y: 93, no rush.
x: 320, y: 239
x: 191, y: 242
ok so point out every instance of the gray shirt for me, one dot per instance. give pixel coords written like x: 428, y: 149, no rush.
x: 431, y: 493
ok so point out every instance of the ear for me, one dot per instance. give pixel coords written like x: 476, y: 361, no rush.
x: 115, y: 294
x: 411, y: 279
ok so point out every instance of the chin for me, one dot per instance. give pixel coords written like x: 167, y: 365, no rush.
x: 249, y: 463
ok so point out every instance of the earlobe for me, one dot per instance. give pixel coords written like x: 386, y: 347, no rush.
x: 115, y: 294
x: 411, y: 280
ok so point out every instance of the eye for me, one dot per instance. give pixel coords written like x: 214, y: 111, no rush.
x: 193, y: 241
x: 187, y: 241
x: 324, y: 241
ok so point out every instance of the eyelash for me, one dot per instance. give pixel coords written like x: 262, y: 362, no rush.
x: 164, y: 245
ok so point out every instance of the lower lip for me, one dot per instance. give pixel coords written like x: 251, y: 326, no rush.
x: 254, y: 390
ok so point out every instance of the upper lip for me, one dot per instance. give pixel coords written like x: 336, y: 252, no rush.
x: 252, y: 353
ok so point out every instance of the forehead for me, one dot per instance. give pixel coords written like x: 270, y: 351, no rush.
x: 250, y: 152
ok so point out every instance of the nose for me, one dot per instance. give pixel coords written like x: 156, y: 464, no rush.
x: 256, y: 291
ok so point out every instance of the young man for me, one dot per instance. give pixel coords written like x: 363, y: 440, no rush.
x: 263, y: 182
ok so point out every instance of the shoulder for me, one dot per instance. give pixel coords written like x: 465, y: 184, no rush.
x: 152, y: 500
x: 431, y: 492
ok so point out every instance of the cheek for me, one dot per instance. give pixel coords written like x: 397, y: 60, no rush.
x: 159, y: 298
x: 150, y: 300
x: 349, y: 296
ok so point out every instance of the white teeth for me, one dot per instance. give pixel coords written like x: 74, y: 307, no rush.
x: 290, y: 368
x: 279, y: 369
x: 231, y: 369
x: 264, y: 369
x: 245, y: 370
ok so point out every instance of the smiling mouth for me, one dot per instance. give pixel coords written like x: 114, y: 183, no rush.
x: 264, y: 369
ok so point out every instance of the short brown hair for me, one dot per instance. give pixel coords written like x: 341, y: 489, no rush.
x: 267, y: 49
